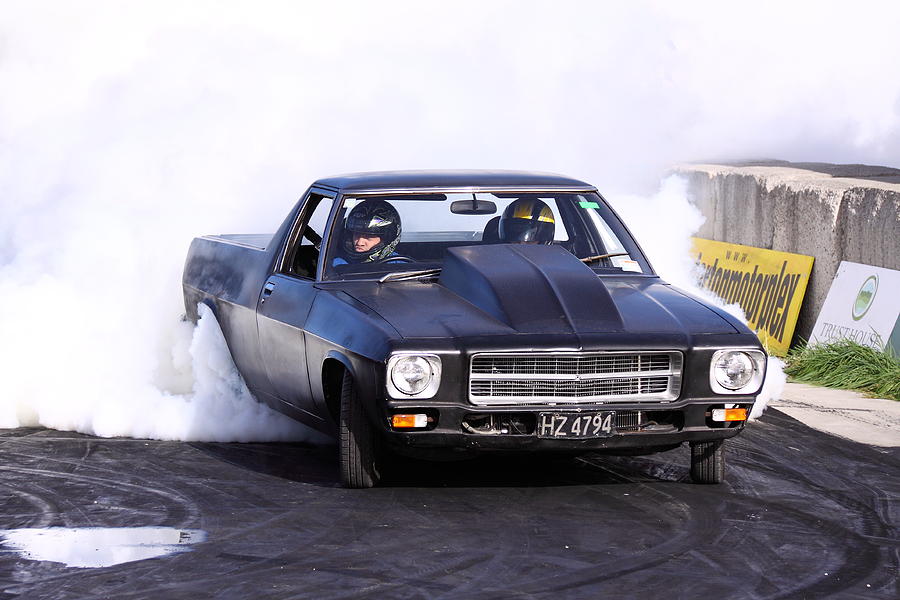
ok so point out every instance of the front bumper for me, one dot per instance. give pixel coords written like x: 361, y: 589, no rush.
x: 660, y: 427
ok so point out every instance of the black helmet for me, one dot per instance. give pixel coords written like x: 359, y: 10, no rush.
x: 372, y: 217
x: 527, y: 220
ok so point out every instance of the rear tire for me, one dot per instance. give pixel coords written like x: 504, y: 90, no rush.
x: 708, y: 461
x: 358, y: 446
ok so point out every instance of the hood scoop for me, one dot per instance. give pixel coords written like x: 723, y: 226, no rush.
x: 531, y: 288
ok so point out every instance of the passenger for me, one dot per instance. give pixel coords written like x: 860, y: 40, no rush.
x: 528, y: 221
x: 371, y: 233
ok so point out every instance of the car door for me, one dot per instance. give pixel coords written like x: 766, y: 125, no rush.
x: 285, y: 302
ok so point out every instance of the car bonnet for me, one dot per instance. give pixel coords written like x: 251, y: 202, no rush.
x: 507, y: 289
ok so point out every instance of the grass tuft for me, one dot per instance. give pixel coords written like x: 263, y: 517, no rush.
x: 847, y: 365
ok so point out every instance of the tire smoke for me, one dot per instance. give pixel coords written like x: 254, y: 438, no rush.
x: 126, y: 129
x: 666, y: 238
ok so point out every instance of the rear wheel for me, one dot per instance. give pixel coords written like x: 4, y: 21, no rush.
x: 708, y: 461
x: 358, y: 446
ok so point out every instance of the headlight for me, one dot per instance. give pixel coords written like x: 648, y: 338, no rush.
x: 737, y: 371
x: 411, y: 375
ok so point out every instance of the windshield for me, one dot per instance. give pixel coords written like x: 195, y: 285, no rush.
x: 374, y: 235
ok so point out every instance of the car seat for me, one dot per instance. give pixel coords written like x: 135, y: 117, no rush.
x: 491, y: 234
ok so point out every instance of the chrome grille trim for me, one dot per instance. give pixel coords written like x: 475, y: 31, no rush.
x: 525, y: 378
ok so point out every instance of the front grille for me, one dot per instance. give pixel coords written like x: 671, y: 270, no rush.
x: 585, y: 388
x: 531, y: 364
x: 599, y: 377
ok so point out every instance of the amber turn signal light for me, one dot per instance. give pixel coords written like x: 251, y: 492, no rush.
x: 729, y: 414
x: 409, y: 421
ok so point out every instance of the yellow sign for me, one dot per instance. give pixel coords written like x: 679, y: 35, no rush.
x: 768, y: 285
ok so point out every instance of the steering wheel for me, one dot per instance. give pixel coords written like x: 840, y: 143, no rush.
x: 399, y: 259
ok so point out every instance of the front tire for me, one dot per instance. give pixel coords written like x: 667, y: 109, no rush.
x: 358, y: 446
x: 708, y: 461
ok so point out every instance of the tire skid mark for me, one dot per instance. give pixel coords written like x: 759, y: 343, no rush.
x: 868, y: 515
x: 79, y: 463
x: 681, y: 543
x: 423, y: 580
x: 290, y: 538
x: 61, y: 515
x: 192, y: 512
x: 862, y: 564
x: 766, y: 556
x: 863, y: 557
x: 47, y: 512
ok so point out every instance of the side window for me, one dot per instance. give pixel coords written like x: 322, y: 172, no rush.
x: 612, y: 244
x: 318, y: 220
x: 305, y: 242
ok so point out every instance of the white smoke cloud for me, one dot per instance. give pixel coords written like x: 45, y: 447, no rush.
x: 127, y: 128
x: 667, y: 242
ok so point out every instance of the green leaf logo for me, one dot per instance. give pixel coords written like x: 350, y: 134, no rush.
x: 864, y: 297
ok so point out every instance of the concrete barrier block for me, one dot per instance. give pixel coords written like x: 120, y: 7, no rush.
x: 830, y: 212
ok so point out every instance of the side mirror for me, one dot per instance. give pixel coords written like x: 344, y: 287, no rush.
x: 473, y: 207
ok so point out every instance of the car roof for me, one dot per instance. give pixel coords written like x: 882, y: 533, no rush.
x: 448, y: 180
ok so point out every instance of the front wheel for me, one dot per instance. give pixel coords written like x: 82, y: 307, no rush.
x: 358, y: 441
x: 708, y: 461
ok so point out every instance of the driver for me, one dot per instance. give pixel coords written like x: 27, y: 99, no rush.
x: 529, y: 221
x: 371, y: 232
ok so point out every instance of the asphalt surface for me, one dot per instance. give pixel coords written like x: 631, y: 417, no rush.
x: 802, y: 515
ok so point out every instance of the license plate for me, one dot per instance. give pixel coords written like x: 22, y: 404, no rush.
x: 576, y: 425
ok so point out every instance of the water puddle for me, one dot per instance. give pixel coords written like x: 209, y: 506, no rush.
x: 92, y: 547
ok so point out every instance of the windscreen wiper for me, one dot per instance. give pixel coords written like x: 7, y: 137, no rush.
x: 590, y: 259
x: 402, y: 275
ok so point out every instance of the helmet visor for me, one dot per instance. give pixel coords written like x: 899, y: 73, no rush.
x: 369, y: 224
x: 526, y: 230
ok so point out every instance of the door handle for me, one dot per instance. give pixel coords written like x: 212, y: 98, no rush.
x: 267, y: 290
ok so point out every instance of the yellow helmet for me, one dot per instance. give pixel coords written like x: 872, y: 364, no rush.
x: 527, y: 220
